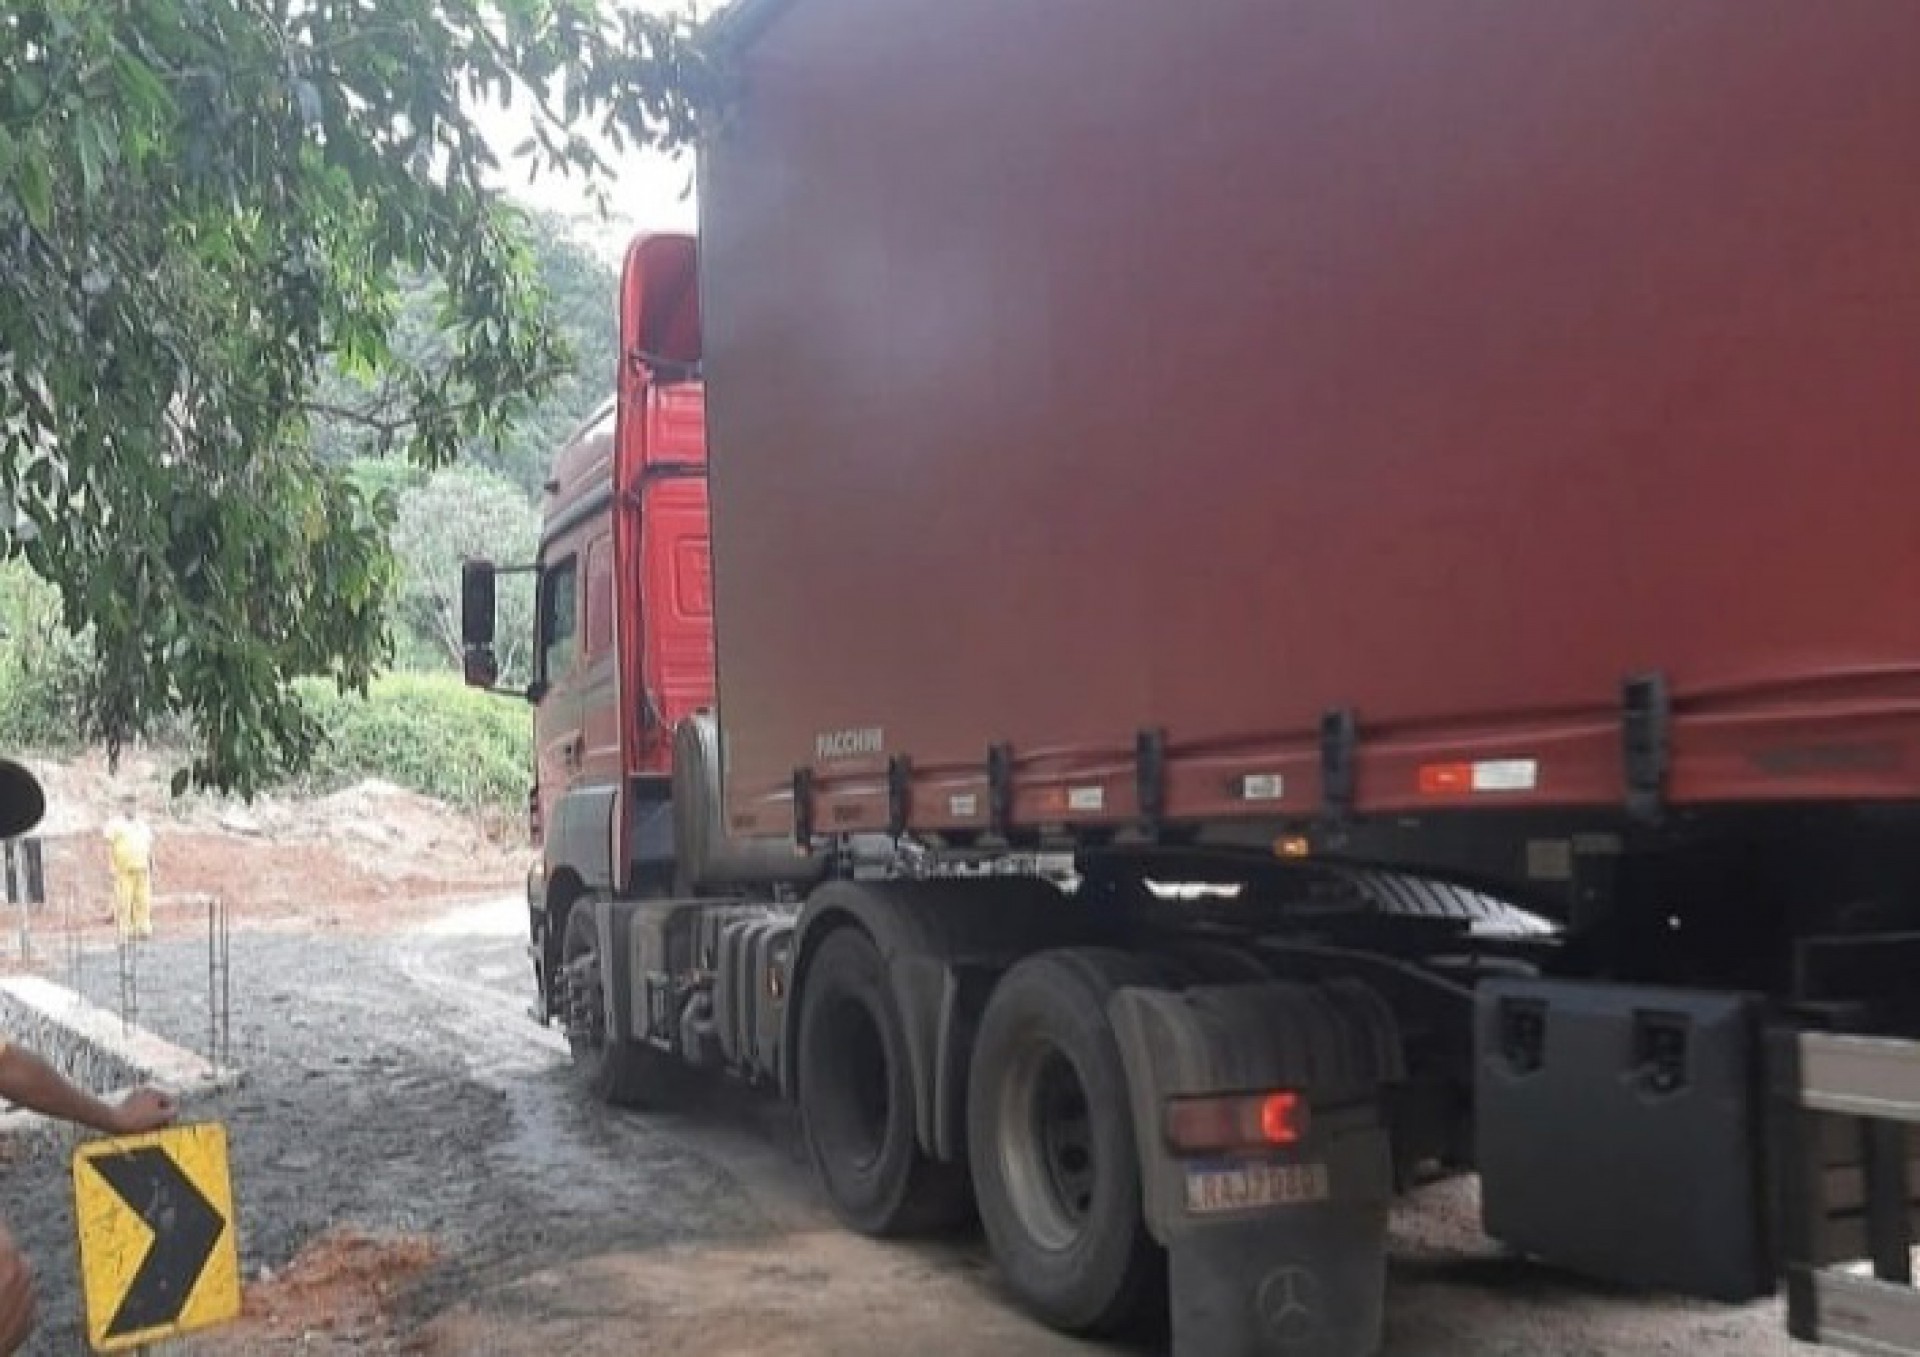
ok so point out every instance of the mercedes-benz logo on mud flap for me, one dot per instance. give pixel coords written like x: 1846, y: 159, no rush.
x: 1292, y: 1307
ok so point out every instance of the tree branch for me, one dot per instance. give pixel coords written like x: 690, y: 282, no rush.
x: 370, y: 418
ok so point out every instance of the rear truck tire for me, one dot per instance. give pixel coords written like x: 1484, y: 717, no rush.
x: 1051, y: 1142
x: 856, y: 1099
x: 618, y: 1073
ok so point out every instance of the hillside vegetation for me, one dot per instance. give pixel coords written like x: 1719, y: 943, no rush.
x: 417, y: 726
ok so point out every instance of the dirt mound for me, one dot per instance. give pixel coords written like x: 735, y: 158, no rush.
x: 362, y: 856
x: 83, y: 794
x: 333, y: 1297
x: 371, y: 814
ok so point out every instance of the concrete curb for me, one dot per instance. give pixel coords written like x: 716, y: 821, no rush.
x: 94, y: 1048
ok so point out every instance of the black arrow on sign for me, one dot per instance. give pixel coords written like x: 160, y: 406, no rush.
x: 185, y: 1228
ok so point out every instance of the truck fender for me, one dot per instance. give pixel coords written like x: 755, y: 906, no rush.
x: 944, y: 945
x: 580, y: 839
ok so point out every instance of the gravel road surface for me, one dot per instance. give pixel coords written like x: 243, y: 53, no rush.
x: 396, y: 1088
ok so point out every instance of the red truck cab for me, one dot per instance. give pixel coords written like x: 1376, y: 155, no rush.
x: 624, y: 646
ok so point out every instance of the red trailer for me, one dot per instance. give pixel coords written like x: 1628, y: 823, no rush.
x: 1083, y: 370
x: 1309, y: 594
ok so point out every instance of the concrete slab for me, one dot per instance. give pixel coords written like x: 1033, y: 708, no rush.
x: 94, y: 1048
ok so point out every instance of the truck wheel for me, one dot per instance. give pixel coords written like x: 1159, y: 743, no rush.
x: 618, y: 1073
x: 856, y: 1098
x: 1050, y: 1138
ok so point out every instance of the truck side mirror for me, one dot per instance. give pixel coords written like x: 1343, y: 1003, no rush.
x: 478, y: 665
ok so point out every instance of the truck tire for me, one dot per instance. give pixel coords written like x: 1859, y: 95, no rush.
x: 856, y: 1099
x: 1050, y: 1139
x: 618, y: 1073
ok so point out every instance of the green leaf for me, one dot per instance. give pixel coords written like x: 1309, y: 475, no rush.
x: 89, y: 152
x: 35, y: 190
x: 144, y: 93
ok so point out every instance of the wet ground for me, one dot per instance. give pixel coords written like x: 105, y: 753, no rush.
x: 397, y: 1093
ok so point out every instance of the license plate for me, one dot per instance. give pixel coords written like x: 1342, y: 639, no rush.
x: 1214, y: 1188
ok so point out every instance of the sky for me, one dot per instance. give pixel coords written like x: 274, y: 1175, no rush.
x: 651, y: 191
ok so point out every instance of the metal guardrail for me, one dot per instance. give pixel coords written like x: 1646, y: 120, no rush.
x: 1875, y: 1080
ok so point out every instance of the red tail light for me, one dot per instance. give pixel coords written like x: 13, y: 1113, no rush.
x: 1282, y: 1118
x: 1242, y: 1122
x: 534, y: 825
x: 1445, y: 779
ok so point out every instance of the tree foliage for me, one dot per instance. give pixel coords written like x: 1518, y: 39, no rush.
x: 206, y: 204
x: 582, y: 295
x: 579, y: 292
x: 461, y: 512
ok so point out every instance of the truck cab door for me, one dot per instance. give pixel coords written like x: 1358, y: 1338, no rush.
x: 578, y: 722
x: 596, y: 679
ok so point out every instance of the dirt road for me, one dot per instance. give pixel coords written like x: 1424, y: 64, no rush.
x: 417, y: 1174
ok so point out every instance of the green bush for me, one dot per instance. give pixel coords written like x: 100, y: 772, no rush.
x: 43, y: 668
x: 429, y: 733
x: 39, y: 708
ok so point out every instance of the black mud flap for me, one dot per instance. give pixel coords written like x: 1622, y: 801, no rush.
x: 1280, y: 1253
x: 1309, y: 1283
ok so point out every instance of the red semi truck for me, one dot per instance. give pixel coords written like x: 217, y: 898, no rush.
x: 1309, y: 594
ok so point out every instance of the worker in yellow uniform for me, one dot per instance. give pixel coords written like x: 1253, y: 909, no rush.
x: 130, y: 855
x: 28, y: 1081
